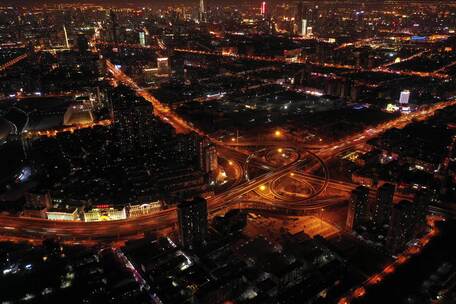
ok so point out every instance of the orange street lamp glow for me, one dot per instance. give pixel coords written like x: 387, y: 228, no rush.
x: 360, y: 292
x: 343, y: 301
x: 280, y: 150
x: 277, y: 133
x: 262, y: 187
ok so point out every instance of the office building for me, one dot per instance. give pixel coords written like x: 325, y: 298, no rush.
x: 192, y: 221
x: 357, y: 208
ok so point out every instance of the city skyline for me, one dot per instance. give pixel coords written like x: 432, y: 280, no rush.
x: 228, y: 152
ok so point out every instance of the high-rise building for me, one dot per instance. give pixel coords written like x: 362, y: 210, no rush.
x: 114, y: 26
x: 304, y: 27
x: 300, y: 20
x: 405, y: 96
x: 202, y: 11
x: 210, y: 158
x: 357, y: 208
x: 163, y: 66
x: 299, y: 14
x: 383, y: 205
x: 263, y: 9
x: 192, y: 221
x: 206, y: 153
x: 142, y: 39
x: 83, y: 43
x: 401, y: 226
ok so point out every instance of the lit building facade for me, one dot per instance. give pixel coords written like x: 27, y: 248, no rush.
x: 63, y: 214
x: 104, y: 213
x: 144, y: 209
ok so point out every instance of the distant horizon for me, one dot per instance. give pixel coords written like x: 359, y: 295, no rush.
x: 165, y: 2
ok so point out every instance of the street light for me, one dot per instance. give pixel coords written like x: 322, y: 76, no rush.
x: 277, y: 133
x: 262, y: 187
x: 280, y: 150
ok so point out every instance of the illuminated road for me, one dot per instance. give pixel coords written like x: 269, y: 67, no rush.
x: 362, y: 289
x: 320, y: 64
x: 35, y: 228
x: 54, y: 132
x: 160, y: 110
x: 386, y: 65
x: 12, y: 62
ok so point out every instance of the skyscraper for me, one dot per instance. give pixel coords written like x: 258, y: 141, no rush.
x: 202, y: 10
x: 114, y: 26
x: 263, y: 8
x: 300, y: 25
x: 142, y: 39
x: 383, y: 204
x: 83, y: 43
x: 192, y: 220
x: 357, y: 208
